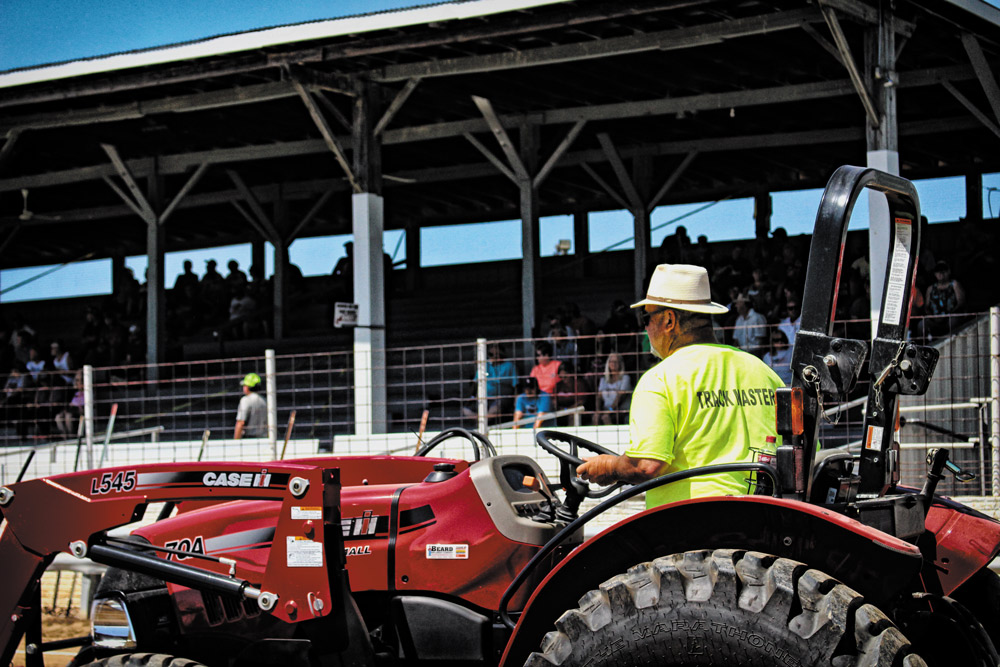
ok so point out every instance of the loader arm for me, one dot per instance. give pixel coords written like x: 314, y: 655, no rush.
x: 303, y: 580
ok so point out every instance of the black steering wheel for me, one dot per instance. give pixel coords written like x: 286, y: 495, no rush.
x: 475, y: 437
x: 546, y: 439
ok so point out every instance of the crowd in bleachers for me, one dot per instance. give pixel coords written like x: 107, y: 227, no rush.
x: 234, y: 305
x: 579, y: 365
x: 42, y: 386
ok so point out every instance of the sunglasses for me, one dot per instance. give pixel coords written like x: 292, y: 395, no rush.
x: 645, y: 316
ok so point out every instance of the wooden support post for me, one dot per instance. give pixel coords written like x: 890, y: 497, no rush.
x: 529, y: 227
x: 581, y: 243
x: 974, y: 197
x: 155, y: 295
x: 762, y: 215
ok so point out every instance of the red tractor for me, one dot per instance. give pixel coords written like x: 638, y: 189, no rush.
x: 382, y: 560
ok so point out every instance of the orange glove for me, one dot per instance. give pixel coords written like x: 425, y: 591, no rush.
x: 600, y: 469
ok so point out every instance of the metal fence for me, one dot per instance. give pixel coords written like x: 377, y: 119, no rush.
x: 188, y: 412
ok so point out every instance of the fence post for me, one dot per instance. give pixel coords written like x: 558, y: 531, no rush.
x: 272, y: 402
x: 995, y: 397
x: 481, y: 403
x: 88, y: 413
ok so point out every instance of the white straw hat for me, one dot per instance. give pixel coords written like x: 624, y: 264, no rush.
x: 683, y: 287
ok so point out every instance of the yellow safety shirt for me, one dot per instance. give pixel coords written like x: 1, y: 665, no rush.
x: 704, y: 404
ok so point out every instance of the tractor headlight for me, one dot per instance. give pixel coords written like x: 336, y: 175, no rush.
x: 110, y: 625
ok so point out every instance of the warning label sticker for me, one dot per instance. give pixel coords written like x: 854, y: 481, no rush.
x: 903, y: 240
x: 305, y: 513
x: 303, y: 552
x: 874, y: 438
x: 447, y: 551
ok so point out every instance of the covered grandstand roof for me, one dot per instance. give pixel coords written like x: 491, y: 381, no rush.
x: 681, y: 100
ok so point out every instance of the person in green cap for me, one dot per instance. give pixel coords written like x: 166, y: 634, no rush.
x: 251, y: 415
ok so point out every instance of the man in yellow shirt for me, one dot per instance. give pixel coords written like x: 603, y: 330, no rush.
x: 703, y: 404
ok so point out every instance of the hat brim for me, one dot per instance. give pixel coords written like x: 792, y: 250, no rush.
x: 711, y: 308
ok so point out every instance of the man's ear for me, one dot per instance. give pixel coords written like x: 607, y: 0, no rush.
x: 669, y: 320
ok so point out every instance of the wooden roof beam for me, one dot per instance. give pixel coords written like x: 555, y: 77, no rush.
x: 328, y: 136
x: 137, y: 201
x: 973, y: 109
x: 397, y: 103
x: 668, y: 40
x: 671, y: 180
x: 983, y: 72
x: 216, y: 99
x: 840, y: 40
x: 517, y: 166
x: 181, y: 163
x: 270, y: 232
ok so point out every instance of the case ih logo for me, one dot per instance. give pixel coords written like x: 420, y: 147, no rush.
x: 361, y: 526
x: 261, y: 479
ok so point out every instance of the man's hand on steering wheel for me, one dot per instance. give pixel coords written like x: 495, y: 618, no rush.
x: 546, y: 439
x: 601, y: 469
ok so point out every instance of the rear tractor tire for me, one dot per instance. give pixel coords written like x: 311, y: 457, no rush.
x: 143, y: 660
x: 724, y: 608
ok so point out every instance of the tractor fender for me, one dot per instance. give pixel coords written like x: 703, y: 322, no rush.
x: 873, y: 563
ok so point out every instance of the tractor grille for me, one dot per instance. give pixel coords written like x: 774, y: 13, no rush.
x: 227, y: 608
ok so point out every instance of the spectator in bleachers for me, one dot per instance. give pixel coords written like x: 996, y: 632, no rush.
x: 702, y: 254
x: 944, y: 297
x: 572, y: 391
x: 263, y: 295
x: 562, y: 337
x: 532, y: 402
x: 501, y: 384
x: 19, y: 326
x: 91, y: 334
x: 779, y: 357
x: 857, y: 256
x: 213, y: 293
x: 750, y: 329
x: 187, y: 278
x: 792, y: 321
x: 585, y: 329
x: 761, y: 293
x: 113, y: 338
x: 68, y: 415
x: 614, y: 393
x: 236, y: 279
x: 188, y: 309
x: 735, y: 272
x: 135, y: 346
x: 62, y: 384
x: 127, y: 294
x: 342, y: 278
x: 546, y: 369
x: 15, y: 398
x: 41, y: 403
x: 859, y: 311
x: 241, y: 310
x: 676, y: 247
x: 35, y: 364
x: 620, y: 327
x: 21, y: 344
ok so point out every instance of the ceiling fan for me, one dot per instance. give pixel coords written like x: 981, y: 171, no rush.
x: 27, y: 214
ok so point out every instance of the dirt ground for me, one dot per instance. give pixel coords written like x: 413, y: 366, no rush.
x: 56, y: 622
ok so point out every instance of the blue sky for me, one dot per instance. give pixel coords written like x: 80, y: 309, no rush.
x: 34, y: 32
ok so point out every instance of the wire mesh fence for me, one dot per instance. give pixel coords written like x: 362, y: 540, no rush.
x: 187, y: 410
